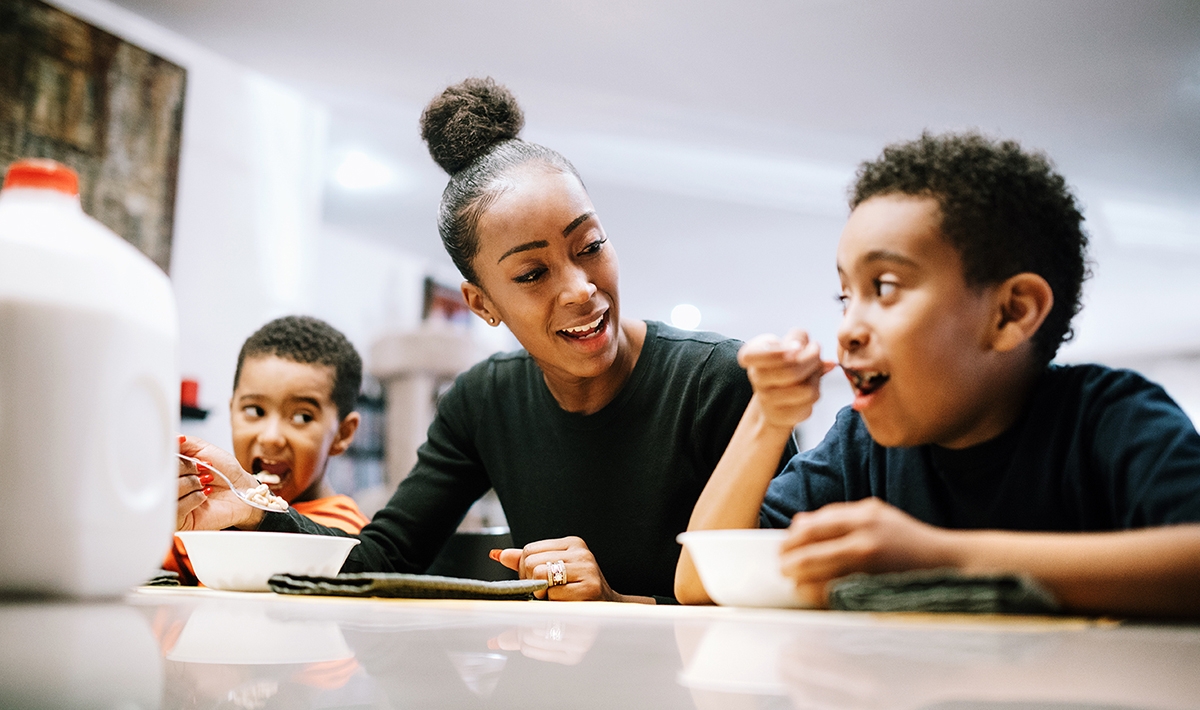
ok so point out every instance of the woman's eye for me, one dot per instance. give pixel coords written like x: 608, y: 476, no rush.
x: 530, y: 276
x: 301, y: 418
x: 885, y: 289
x: 842, y: 299
x: 593, y: 248
x: 253, y: 411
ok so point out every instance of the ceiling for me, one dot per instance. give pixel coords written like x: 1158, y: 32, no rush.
x: 717, y: 138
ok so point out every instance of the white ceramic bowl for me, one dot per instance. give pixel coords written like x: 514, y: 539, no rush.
x: 243, y: 561
x: 741, y: 567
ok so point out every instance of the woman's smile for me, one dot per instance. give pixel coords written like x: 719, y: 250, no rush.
x: 589, y: 336
x: 586, y: 331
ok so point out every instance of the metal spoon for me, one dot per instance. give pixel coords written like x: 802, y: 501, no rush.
x: 244, y: 498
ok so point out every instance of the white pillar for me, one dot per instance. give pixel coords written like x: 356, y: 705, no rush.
x: 412, y: 366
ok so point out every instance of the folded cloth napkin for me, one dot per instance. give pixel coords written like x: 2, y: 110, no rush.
x: 408, y: 586
x: 944, y: 590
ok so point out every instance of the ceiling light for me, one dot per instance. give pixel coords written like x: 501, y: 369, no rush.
x: 685, y: 316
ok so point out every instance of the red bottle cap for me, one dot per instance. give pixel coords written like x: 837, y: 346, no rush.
x: 40, y: 173
x: 189, y: 393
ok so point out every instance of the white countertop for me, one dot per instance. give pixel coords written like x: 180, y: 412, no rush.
x: 199, y: 648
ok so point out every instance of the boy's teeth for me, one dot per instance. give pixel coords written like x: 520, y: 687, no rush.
x: 868, y: 379
x: 274, y: 468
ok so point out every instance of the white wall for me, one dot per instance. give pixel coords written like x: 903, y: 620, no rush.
x: 249, y: 243
x: 365, y: 287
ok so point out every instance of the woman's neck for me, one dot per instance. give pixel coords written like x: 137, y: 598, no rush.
x: 588, y: 395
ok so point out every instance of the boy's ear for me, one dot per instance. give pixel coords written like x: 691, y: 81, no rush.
x: 1023, y: 302
x: 345, y: 433
x: 479, y: 303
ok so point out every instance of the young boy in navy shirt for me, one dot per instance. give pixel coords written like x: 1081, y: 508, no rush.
x: 961, y: 268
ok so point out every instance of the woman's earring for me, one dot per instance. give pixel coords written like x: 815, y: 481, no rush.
x: 491, y: 321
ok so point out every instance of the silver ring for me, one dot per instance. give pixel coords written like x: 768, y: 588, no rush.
x: 556, y: 573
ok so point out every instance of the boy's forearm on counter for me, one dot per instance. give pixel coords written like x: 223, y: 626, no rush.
x: 688, y: 588
x: 1147, y: 572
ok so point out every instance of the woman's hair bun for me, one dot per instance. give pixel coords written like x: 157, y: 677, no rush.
x: 468, y: 118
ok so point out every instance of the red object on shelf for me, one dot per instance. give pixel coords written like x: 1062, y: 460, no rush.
x: 40, y: 173
x: 189, y: 393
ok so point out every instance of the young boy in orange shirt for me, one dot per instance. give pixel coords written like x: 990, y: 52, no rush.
x: 961, y: 268
x: 294, y: 394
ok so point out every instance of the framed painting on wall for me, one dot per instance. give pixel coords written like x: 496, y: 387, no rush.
x: 107, y: 108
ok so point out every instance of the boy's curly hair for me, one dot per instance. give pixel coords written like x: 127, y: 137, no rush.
x: 309, y: 341
x: 1006, y: 211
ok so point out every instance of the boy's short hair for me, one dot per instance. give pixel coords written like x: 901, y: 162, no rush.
x: 1006, y: 211
x: 309, y: 341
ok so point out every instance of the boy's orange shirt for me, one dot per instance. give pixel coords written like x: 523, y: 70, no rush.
x: 336, y: 511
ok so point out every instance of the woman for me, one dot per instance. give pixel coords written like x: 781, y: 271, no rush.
x: 598, y: 436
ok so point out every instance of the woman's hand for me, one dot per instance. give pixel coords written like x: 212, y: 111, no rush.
x: 193, y: 491
x: 864, y: 536
x: 786, y: 376
x: 205, y: 502
x: 584, y: 582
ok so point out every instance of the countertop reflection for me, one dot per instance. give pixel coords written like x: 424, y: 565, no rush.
x: 172, y: 648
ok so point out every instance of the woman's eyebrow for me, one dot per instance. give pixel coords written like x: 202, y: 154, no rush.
x: 578, y: 221
x: 539, y: 244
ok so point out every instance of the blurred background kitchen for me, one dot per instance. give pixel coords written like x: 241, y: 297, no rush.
x: 717, y: 140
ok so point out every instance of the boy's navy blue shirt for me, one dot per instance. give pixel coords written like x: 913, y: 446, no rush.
x: 1096, y: 449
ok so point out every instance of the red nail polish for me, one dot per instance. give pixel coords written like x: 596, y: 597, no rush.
x: 205, y: 479
x: 208, y: 490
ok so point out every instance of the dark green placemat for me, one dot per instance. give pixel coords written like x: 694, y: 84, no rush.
x: 408, y: 586
x: 942, y: 590
x: 164, y: 578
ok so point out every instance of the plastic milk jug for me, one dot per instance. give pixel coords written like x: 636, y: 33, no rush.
x: 89, y: 396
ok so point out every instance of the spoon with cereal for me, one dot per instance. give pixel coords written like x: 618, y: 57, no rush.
x: 259, y: 497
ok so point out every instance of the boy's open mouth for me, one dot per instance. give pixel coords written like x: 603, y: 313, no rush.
x: 270, y: 472
x: 587, y: 330
x: 865, y: 382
